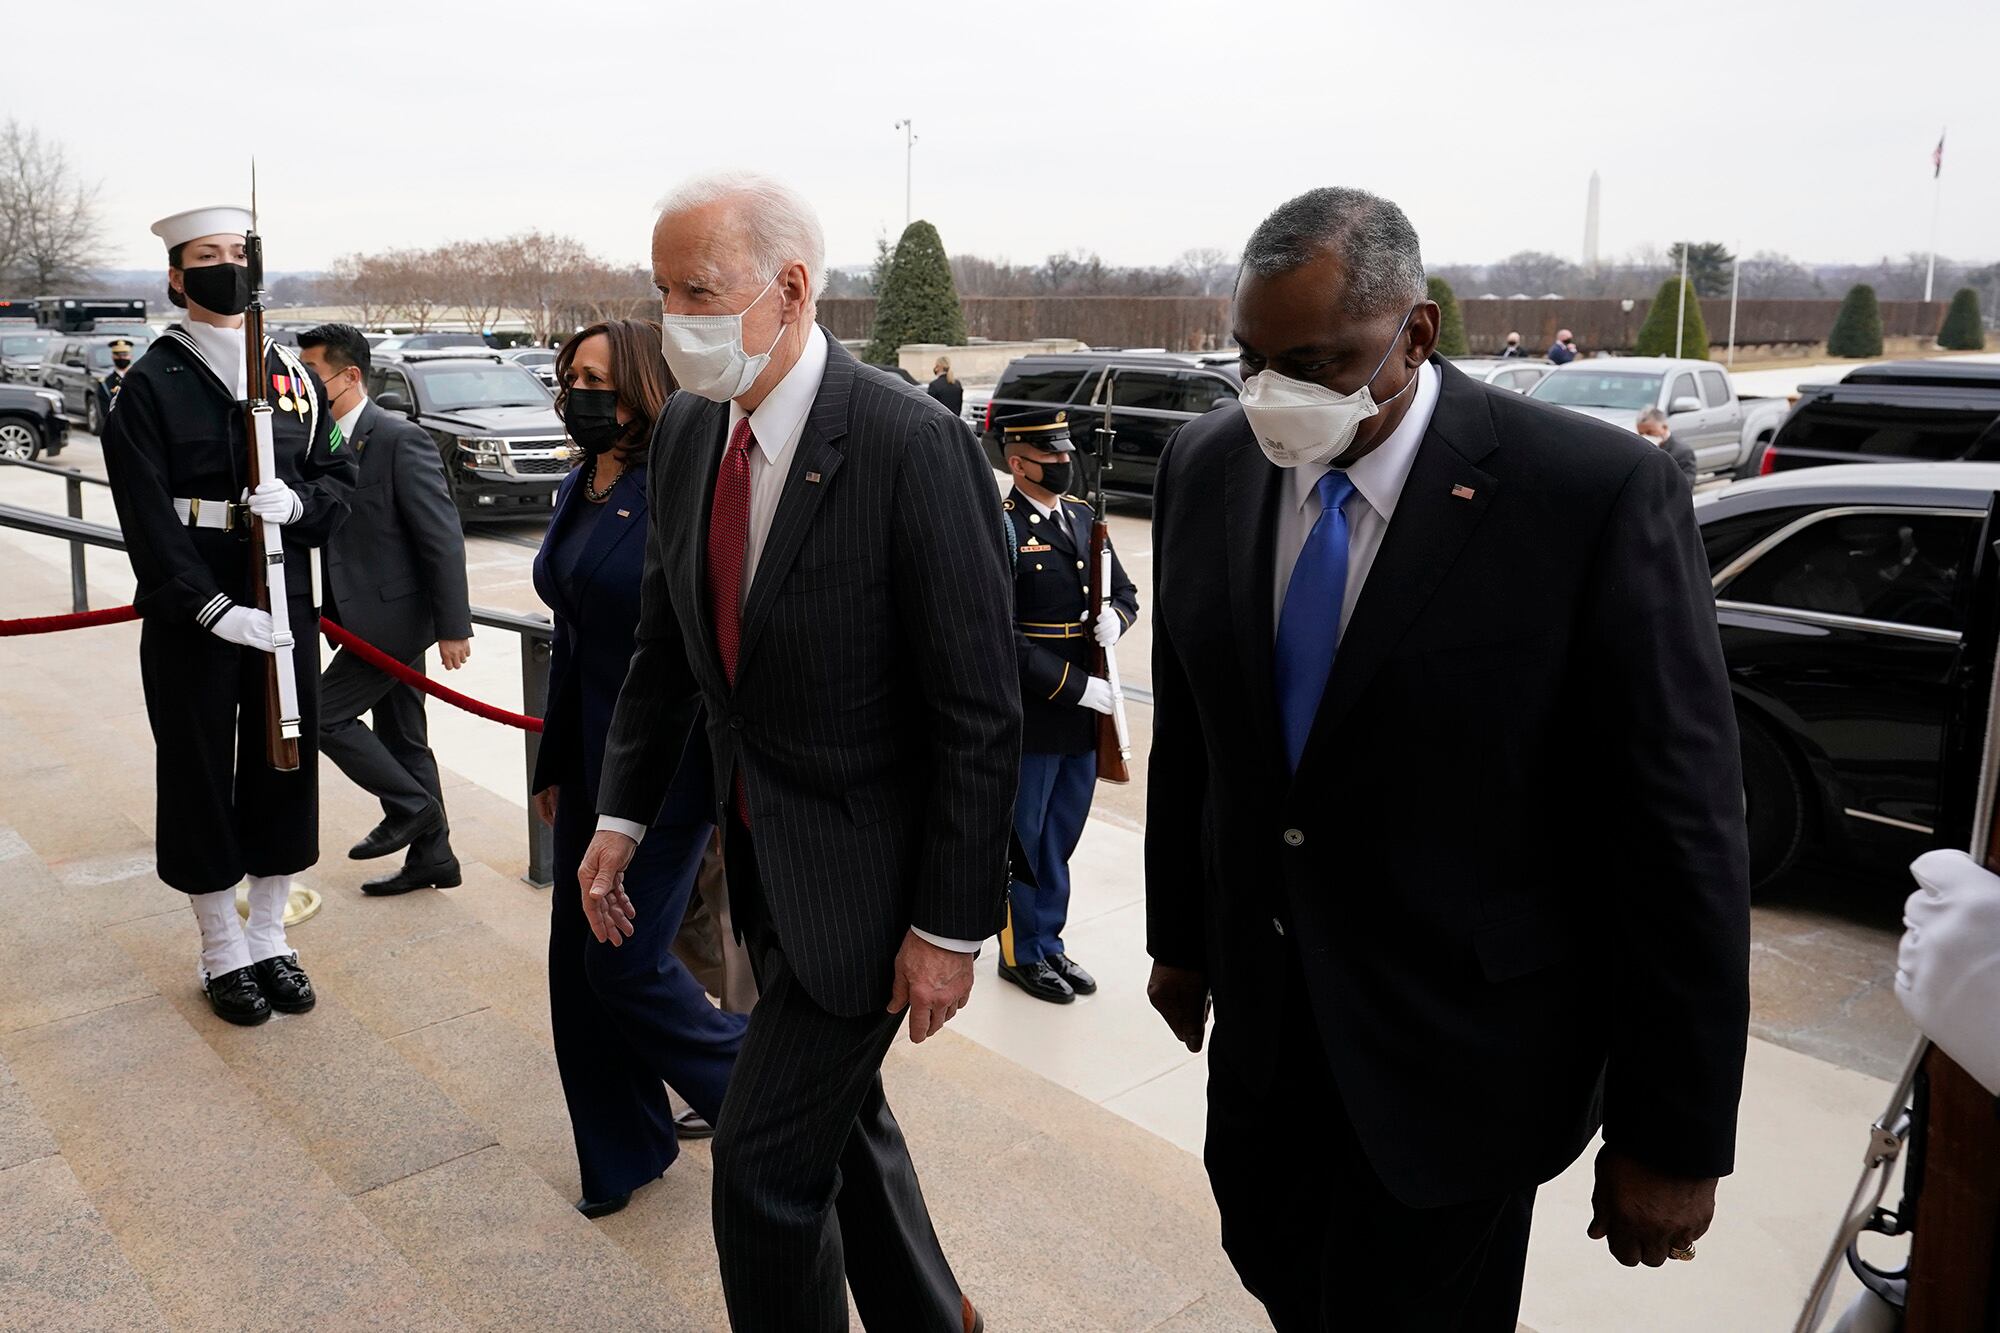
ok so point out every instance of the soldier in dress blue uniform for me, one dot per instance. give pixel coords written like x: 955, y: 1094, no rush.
x: 1058, y: 632
x: 177, y: 455
x: 108, y: 387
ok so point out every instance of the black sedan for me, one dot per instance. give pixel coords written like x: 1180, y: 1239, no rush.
x: 1842, y: 594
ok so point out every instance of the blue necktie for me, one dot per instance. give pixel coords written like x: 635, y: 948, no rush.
x: 1309, y: 625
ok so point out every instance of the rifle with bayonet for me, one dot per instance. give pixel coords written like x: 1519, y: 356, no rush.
x: 267, y: 540
x: 1114, y: 736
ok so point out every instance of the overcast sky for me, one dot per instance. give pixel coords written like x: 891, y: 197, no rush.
x: 1137, y: 130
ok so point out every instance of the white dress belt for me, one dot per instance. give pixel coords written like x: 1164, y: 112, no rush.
x: 222, y: 515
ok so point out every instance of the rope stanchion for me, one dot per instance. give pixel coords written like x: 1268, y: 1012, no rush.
x: 111, y: 615
x: 388, y: 665
x: 361, y: 648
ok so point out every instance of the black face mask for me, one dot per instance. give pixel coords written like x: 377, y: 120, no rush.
x: 1057, y: 477
x: 121, y: 362
x: 591, y: 416
x: 223, y: 289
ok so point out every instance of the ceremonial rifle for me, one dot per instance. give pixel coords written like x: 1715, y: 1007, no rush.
x: 267, y: 540
x: 1114, y: 737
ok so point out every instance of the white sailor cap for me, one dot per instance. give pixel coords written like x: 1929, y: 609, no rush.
x: 215, y: 220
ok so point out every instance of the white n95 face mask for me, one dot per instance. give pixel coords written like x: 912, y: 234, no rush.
x: 706, y: 353
x: 1298, y: 422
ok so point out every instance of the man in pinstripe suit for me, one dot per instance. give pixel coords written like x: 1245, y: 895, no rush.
x: 827, y: 574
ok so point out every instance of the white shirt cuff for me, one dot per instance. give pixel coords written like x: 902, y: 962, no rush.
x: 956, y: 946
x: 631, y: 828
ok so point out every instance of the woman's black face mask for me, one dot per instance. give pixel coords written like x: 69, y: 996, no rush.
x: 221, y: 288
x: 591, y: 417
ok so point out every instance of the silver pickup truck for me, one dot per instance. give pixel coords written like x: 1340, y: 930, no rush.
x: 1702, y: 406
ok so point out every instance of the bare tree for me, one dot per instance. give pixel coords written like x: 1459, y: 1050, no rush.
x: 50, y: 233
x: 544, y: 274
x: 1211, y: 271
x: 471, y: 277
x: 1531, y: 273
x: 362, y: 282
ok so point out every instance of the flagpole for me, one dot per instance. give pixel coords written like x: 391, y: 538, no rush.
x: 1735, y: 281
x: 1681, y: 309
x: 1937, y: 199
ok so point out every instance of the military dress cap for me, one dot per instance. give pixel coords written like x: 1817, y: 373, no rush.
x: 120, y: 345
x: 215, y: 220
x: 1040, y: 428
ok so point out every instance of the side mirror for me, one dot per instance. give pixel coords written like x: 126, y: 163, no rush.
x: 394, y: 402
x: 1680, y: 405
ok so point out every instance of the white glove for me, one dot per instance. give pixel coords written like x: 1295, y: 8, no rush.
x: 275, y: 502
x: 246, y: 625
x: 1097, y: 695
x: 1948, y: 966
x: 1108, y: 627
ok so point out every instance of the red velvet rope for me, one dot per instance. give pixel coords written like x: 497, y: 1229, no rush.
x: 367, y: 652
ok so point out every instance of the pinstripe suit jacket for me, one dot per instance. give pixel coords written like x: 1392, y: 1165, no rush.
x: 876, y: 716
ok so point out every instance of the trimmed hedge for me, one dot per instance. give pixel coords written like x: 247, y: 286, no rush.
x: 1962, y: 330
x: 1857, y: 329
x: 1656, y: 335
x: 1451, y: 321
x: 918, y: 302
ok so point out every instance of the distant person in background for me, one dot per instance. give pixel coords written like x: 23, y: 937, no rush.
x: 629, y: 1018
x: 395, y: 575
x: 1652, y: 424
x: 1563, y: 350
x: 108, y: 387
x: 1513, y: 347
x: 946, y: 388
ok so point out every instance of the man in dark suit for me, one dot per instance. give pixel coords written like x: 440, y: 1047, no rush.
x: 1475, y: 883
x: 395, y: 575
x: 1652, y: 425
x: 826, y: 573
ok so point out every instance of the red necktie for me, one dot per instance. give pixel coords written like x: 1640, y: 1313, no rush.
x: 728, y: 543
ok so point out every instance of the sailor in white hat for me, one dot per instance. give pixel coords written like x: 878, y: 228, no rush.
x: 177, y: 453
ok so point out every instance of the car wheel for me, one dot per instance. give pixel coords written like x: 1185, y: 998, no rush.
x: 1774, y: 804
x: 92, y: 420
x: 20, y: 442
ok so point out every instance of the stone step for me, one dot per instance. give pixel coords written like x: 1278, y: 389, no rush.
x: 59, y: 1265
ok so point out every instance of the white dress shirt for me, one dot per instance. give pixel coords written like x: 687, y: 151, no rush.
x: 347, y: 419
x: 1378, y: 483
x: 776, y: 425
x: 223, y: 350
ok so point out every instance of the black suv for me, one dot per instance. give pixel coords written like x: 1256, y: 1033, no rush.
x: 495, y: 425
x: 72, y: 365
x: 22, y: 347
x: 1146, y: 395
x: 1895, y: 412
x: 31, y: 423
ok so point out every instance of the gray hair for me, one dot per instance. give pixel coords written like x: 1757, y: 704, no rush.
x: 1371, y: 237
x: 779, y: 226
x: 1652, y: 416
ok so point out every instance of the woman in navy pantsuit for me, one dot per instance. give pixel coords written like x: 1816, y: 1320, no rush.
x: 627, y: 1019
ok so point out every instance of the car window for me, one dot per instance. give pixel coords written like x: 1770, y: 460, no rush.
x: 1042, y: 386
x: 1726, y: 538
x: 393, y: 381
x: 1148, y: 390
x: 1599, y: 388
x: 1199, y: 392
x: 452, y: 387
x: 1520, y: 381
x: 1683, y: 388
x: 1900, y: 567
x: 1883, y: 431
x: 1714, y: 388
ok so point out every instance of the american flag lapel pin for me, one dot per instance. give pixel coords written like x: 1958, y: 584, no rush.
x: 624, y: 513
x: 1461, y: 492
x: 813, y: 477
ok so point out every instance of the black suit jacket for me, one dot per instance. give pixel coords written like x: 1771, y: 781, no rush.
x: 875, y: 717
x: 1512, y: 864
x: 396, y: 569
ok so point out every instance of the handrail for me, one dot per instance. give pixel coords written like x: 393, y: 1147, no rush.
x: 536, y: 632
x: 66, y: 473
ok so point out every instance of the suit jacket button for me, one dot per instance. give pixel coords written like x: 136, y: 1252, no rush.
x: 1277, y: 925
x: 735, y: 723
x: 1294, y: 838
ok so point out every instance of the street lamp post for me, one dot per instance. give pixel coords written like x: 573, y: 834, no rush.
x: 908, y: 127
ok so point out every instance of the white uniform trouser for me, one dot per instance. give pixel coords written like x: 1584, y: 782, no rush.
x: 226, y: 942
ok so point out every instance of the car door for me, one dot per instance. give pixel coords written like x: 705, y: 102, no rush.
x: 1722, y: 418
x: 75, y: 377
x: 1692, y: 428
x: 1843, y: 630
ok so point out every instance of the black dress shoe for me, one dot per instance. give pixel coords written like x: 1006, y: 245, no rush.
x: 1039, y: 980
x: 443, y: 875
x: 604, y: 1207
x: 285, y: 984
x: 237, y: 998
x: 1079, y: 980
x: 393, y: 835
x: 690, y: 1125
